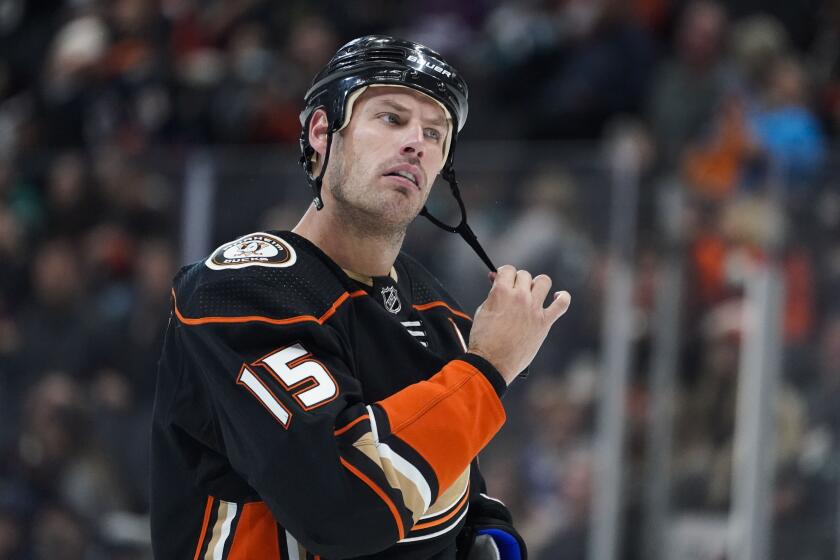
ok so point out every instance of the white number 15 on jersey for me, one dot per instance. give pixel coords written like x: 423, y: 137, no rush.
x: 298, y: 372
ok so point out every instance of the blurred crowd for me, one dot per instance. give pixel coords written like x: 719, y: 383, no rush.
x: 735, y: 113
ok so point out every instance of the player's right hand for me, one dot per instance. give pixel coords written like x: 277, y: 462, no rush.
x: 511, y: 324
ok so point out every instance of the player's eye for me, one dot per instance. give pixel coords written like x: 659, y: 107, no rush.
x: 390, y: 118
x: 433, y: 134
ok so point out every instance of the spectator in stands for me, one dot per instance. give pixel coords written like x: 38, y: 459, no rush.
x: 706, y: 426
x: 13, y: 257
x: 716, y: 164
x: 757, y: 43
x: 134, y: 198
x: 546, y: 234
x: 826, y: 66
x: 560, y: 409
x: 141, y: 329
x: 785, y: 129
x: 811, y: 524
x: 19, y: 196
x: 56, y: 455
x: 572, y: 541
x: 58, y: 532
x: 825, y: 389
x: 602, y: 70
x: 689, y: 85
x: 55, y: 326
x: 14, y: 540
x: 70, y: 74
x: 713, y: 165
x: 70, y: 207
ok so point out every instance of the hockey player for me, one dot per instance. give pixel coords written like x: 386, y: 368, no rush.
x: 320, y: 395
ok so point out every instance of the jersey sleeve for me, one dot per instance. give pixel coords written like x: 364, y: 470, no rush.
x: 345, y: 476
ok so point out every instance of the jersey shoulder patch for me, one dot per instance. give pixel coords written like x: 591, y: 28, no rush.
x: 254, y: 249
x: 253, y: 276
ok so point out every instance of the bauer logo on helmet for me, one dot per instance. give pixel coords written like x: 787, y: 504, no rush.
x: 430, y: 65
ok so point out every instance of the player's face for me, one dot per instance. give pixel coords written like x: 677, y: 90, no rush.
x: 388, y: 156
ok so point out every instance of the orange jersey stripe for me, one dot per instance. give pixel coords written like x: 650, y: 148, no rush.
x: 447, y: 419
x: 256, y: 534
x: 271, y: 320
x: 379, y: 492
x: 340, y: 431
x: 207, y: 509
x: 431, y: 304
x: 447, y: 517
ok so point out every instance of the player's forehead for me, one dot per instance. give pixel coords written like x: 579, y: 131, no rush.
x: 403, y: 97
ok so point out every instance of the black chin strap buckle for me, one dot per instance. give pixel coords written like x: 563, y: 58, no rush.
x: 463, y: 229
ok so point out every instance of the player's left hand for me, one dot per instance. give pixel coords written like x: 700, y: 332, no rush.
x: 489, y: 533
x: 495, y: 544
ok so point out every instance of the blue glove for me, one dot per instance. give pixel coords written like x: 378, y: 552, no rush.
x: 495, y: 544
x: 490, y: 534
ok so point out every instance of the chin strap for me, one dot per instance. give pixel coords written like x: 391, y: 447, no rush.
x: 463, y: 229
x: 315, y: 183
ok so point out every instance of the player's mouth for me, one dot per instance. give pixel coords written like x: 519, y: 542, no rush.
x: 405, y: 173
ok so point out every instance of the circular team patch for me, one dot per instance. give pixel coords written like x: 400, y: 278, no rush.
x: 255, y: 249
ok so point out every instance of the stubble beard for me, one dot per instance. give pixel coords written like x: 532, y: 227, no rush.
x: 360, y: 208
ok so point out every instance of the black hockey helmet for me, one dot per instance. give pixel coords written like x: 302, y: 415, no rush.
x: 383, y: 60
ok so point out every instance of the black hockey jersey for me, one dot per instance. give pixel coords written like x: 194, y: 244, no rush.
x: 303, y: 413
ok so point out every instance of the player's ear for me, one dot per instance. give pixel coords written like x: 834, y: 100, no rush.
x: 318, y: 127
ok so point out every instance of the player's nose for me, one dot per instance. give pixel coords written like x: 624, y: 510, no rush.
x: 412, y: 141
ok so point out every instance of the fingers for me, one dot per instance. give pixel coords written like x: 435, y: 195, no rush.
x: 509, y: 276
x: 559, y: 306
x: 539, y: 288
x: 505, y: 276
x: 523, y: 280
